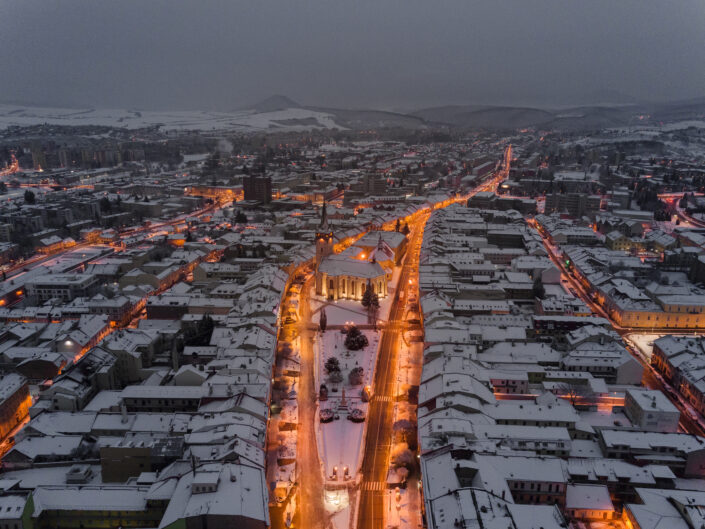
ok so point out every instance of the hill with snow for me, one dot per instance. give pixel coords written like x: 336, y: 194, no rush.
x: 288, y: 119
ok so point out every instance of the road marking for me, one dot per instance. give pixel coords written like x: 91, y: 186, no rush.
x: 383, y: 398
x: 374, y: 485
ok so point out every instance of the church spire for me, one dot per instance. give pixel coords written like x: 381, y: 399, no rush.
x: 324, y: 217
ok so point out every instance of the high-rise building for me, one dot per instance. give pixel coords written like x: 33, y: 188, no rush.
x: 257, y: 188
x: 575, y: 204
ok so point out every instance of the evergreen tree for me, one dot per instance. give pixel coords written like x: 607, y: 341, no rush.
x: 323, y: 321
x: 332, y: 365
x: 355, y: 340
x: 29, y: 197
x: 367, y: 296
x: 538, y: 288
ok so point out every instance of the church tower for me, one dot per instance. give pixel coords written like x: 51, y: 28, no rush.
x: 324, y: 238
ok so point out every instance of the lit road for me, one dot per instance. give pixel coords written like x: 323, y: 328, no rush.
x: 691, y: 421
x: 311, y: 512
x: 375, y: 463
x: 309, y: 490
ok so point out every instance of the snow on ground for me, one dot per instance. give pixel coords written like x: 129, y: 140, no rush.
x: 645, y: 342
x: 340, y: 442
x: 291, y: 119
x: 339, y: 312
x: 402, y: 509
x: 195, y: 157
x: 341, y: 439
x: 339, y: 500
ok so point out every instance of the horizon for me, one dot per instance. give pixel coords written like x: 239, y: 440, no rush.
x: 410, y: 111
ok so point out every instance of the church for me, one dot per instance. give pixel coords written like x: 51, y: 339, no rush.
x: 346, y: 275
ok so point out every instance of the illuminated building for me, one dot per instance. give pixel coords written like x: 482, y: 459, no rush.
x: 345, y: 276
x: 14, y: 402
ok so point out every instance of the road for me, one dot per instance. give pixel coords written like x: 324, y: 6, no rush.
x: 378, y: 440
x: 310, y: 513
x: 691, y: 421
x: 309, y: 489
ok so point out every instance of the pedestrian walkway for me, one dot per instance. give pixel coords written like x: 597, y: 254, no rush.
x: 373, y: 485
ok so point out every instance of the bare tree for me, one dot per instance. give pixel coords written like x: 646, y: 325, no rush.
x: 576, y: 392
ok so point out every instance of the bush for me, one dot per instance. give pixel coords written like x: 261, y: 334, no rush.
x: 355, y: 340
x: 355, y: 376
x: 402, y: 457
x: 332, y: 365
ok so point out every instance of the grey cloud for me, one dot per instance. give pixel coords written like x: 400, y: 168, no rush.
x: 224, y: 54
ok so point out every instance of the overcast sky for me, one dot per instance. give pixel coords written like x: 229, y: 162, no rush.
x: 404, y: 54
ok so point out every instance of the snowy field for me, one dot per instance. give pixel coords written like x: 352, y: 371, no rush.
x: 291, y: 119
x: 339, y: 312
x: 341, y: 439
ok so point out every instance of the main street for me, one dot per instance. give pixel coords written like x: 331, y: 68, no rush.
x: 373, y: 492
x: 378, y: 441
x: 690, y: 420
x: 310, y: 510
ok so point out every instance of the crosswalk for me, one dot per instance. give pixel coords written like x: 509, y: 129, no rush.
x: 373, y: 485
x: 383, y: 398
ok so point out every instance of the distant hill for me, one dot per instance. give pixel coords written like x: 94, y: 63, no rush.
x: 274, y: 103
x: 280, y: 113
x: 677, y: 110
x: 587, y: 117
x: 487, y: 117
x: 367, y: 119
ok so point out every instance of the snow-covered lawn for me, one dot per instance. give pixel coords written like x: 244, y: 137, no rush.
x: 338, y: 502
x: 340, y: 440
x: 340, y: 443
x: 339, y: 312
